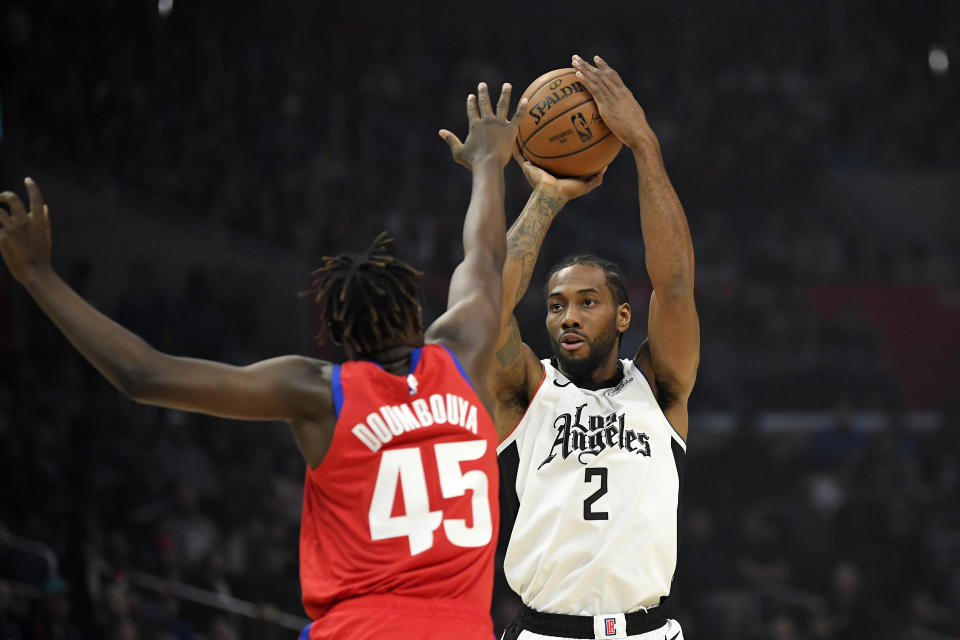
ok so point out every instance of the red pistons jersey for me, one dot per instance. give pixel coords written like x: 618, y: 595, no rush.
x: 405, y: 501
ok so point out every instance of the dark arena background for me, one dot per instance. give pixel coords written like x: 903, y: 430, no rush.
x: 200, y: 157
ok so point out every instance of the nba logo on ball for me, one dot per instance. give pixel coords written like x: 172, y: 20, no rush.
x: 611, y: 629
x: 580, y: 124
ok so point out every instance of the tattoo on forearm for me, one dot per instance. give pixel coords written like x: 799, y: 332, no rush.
x: 526, y: 236
x: 511, y: 351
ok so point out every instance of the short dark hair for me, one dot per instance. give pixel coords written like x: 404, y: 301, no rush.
x: 366, y: 299
x: 611, y: 270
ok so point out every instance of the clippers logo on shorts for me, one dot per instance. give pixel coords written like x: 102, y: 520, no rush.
x: 610, y: 625
x: 600, y: 433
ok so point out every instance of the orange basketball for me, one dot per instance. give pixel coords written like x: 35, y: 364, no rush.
x: 562, y: 131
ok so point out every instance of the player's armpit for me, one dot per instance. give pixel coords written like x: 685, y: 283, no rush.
x: 286, y: 388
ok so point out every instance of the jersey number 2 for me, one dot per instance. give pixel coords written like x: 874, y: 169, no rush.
x: 418, y: 522
x: 588, y: 475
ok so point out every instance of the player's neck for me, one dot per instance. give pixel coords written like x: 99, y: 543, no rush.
x: 607, y: 374
x: 395, y: 360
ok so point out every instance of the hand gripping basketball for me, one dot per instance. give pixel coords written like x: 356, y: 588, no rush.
x: 490, y: 135
x: 565, y: 189
x: 618, y: 107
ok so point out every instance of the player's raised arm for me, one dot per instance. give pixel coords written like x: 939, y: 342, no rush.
x: 515, y: 371
x: 288, y: 388
x: 471, y: 323
x: 674, y: 329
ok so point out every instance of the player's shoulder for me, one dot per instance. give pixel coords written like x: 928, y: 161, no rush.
x: 437, y: 349
x: 437, y: 354
x: 305, y: 368
x: 302, y: 385
x: 313, y: 364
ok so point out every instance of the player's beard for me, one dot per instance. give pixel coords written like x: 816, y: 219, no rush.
x: 581, y: 368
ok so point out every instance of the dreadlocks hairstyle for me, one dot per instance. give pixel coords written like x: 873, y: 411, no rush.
x: 365, y: 299
x: 612, y: 271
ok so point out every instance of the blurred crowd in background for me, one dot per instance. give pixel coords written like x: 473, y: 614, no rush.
x: 832, y: 534
x: 311, y: 128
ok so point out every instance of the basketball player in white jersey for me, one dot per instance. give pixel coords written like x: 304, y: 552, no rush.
x: 592, y: 446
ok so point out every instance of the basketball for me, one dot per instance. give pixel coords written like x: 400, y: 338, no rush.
x: 562, y: 131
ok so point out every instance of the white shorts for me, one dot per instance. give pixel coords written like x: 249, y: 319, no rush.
x: 669, y: 631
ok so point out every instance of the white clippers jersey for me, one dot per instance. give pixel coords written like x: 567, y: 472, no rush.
x: 598, y: 476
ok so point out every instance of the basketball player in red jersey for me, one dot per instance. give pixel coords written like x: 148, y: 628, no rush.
x: 375, y: 561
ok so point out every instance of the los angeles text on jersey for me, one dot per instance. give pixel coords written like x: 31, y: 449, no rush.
x: 601, y: 433
x: 391, y: 420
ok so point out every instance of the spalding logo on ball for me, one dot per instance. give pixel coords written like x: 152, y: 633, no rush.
x: 562, y: 131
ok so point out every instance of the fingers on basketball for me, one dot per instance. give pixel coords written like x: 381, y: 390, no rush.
x: 609, y: 74
x: 589, y: 76
x: 518, y: 114
x: 518, y: 153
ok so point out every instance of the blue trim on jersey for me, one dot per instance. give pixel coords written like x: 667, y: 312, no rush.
x: 414, y: 359
x: 459, y: 368
x: 337, y: 387
x: 305, y: 634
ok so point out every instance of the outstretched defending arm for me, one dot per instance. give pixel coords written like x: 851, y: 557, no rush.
x: 673, y: 348
x: 288, y: 388
x: 515, y: 371
x: 470, y: 325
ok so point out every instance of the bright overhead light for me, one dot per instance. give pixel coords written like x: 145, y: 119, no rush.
x: 938, y: 60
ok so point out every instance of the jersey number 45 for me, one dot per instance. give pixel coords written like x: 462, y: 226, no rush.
x: 418, y: 522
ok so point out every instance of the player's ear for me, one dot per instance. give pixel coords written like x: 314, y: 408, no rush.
x: 623, y: 317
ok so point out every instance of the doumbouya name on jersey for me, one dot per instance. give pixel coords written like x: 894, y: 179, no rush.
x: 392, y: 420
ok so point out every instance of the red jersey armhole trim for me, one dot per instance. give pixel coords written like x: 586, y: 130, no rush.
x: 528, y: 406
